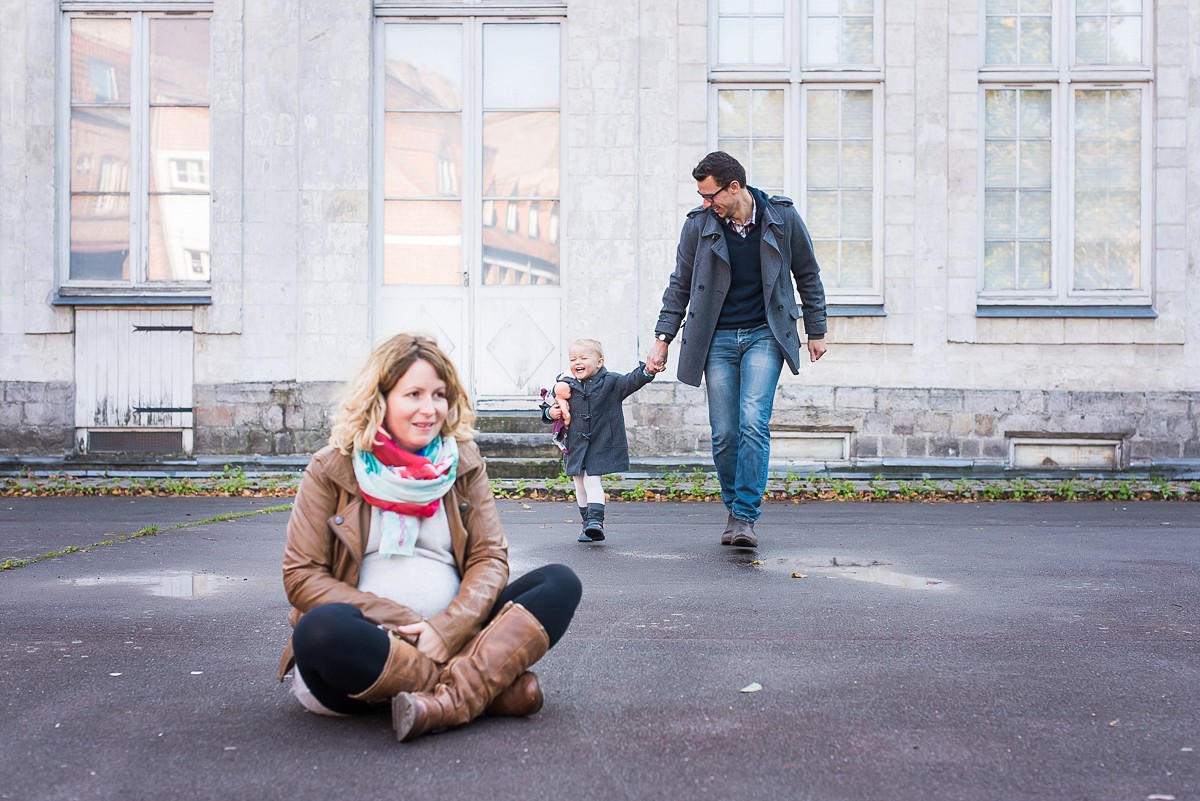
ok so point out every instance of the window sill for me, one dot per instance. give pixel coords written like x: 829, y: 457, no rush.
x: 854, y: 310
x: 1060, y: 312
x: 131, y: 300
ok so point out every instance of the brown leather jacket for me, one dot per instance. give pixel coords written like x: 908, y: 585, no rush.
x: 327, y: 537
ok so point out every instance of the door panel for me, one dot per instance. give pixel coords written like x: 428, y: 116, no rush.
x: 469, y: 166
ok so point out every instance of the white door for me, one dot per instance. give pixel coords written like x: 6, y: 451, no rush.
x: 133, y: 380
x: 469, y: 214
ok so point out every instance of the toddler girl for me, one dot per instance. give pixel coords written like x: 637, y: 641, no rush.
x: 595, y: 435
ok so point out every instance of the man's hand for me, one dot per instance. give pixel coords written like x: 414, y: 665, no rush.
x: 816, y: 349
x: 656, y: 359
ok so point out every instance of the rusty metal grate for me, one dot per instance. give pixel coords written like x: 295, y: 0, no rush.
x: 135, y: 442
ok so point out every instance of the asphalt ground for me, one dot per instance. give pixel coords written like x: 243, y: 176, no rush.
x: 903, y: 650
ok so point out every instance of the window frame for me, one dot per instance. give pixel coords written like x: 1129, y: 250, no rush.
x: 795, y: 78
x: 138, y: 285
x: 1062, y: 77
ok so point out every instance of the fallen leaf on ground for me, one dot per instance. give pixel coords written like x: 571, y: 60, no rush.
x: 799, y: 575
x: 752, y: 687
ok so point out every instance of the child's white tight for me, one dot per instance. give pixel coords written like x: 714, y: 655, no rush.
x: 588, y: 489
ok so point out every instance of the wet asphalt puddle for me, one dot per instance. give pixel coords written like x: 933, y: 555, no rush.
x: 166, y: 585
x: 868, y: 570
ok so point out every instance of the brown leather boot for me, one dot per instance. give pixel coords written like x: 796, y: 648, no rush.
x: 487, y: 667
x: 521, y: 700
x: 406, y: 668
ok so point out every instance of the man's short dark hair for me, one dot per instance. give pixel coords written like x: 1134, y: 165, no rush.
x: 721, y: 167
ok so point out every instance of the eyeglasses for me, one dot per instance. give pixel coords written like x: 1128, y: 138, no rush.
x: 709, y: 197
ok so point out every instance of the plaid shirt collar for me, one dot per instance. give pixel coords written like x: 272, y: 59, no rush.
x: 742, y: 229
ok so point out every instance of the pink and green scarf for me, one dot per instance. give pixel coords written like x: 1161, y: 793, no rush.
x: 401, y: 486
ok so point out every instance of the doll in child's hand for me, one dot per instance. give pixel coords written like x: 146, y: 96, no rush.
x: 562, y: 394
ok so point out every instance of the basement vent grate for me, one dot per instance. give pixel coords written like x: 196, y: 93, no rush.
x: 135, y: 442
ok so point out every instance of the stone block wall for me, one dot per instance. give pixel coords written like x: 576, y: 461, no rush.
x: 37, y: 417
x: 958, y: 426
x: 265, y: 418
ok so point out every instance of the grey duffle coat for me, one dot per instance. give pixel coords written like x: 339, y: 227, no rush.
x: 700, y: 282
x: 596, y: 439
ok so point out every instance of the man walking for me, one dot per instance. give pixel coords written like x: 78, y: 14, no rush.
x: 739, y: 253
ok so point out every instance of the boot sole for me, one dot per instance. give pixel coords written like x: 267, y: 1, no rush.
x: 403, y: 717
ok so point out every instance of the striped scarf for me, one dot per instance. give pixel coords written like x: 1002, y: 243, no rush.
x: 402, y: 486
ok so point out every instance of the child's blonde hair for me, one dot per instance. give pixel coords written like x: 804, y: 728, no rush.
x: 364, y: 402
x: 590, y: 344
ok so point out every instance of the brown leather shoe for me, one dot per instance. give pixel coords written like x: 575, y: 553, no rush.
x: 743, y: 534
x: 727, y: 534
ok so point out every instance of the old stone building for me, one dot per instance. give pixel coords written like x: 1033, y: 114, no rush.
x: 210, y: 211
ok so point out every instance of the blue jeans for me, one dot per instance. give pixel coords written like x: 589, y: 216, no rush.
x: 741, y: 373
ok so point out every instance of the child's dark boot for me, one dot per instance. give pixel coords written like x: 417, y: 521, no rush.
x: 593, y: 527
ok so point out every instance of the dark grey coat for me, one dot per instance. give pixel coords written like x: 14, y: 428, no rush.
x: 701, y: 280
x: 596, y: 440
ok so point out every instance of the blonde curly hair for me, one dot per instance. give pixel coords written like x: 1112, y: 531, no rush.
x: 363, y: 406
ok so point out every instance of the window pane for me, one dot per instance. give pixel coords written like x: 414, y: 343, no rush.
x: 520, y: 154
x: 1017, y: 222
x: 856, y: 164
x: 733, y: 7
x: 178, y: 238
x: 823, y: 118
x: 1001, y: 42
x: 856, y: 215
x: 422, y: 154
x: 1034, y: 272
x: 1126, y: 41
x: 1035, y: 40
x: 1108, y: 205
x: 179, y: 61
x: 100, y: 57
x: 768, y: 113
x: 768, y: 40
x: 999, y: 214
x: 733, y: 112
x: 857, y: 113
x: 822, y: 164
x: 423, y: 66
x: 733, y: 40
x: 100, y: 150
x: 1035, y: 214
x: 750, y: 125
x: 999, y: 266
x: 516, y: 253
x: 1000, y: 113
x: 858, y: 40
x: 822, y: 40
x: 520, y: 66
x: 1035, y: 113
x: 822, y: 212
x: 179, y: 149
x: 422, y: 242
x: 855, y: 268
x: 768, y: 166
x: 1091, y: 40
x: 839, y: 156
x: 100, y: 237
x: 1000, y: 164
x: 1035, y: 163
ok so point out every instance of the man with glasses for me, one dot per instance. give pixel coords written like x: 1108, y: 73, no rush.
x: 732, y: 302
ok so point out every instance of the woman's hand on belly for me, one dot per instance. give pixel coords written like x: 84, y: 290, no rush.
x: 428, y: 641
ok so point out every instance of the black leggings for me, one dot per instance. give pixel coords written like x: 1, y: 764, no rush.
x: 340, y: 653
